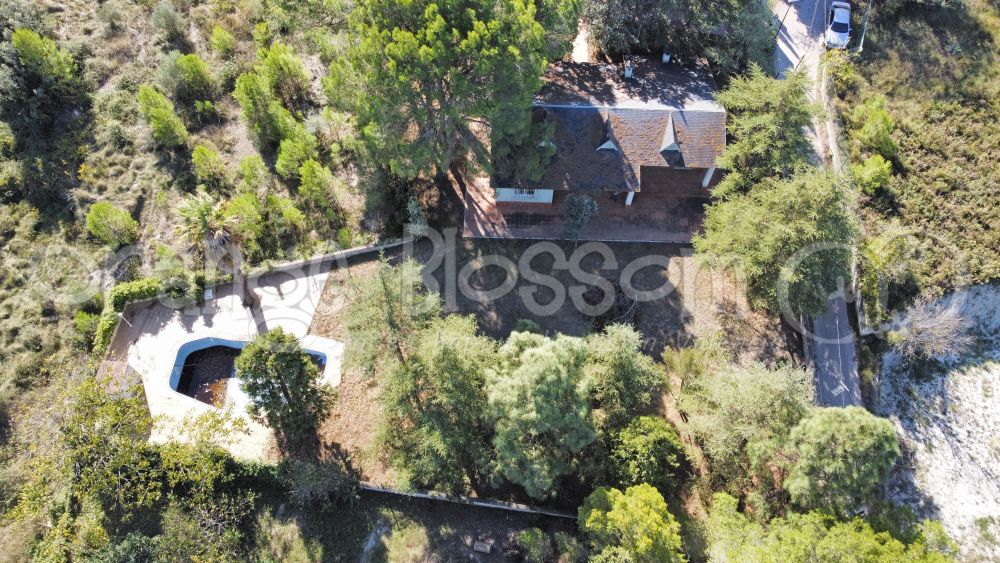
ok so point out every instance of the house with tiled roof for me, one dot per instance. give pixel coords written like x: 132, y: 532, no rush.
x: 641, y: 142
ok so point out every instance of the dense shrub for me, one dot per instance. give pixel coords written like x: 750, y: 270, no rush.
x: 321, y: 192
x: 293, y: 152
x: 167, y: 21
x: 112, y: 225
x: 284, y: 72
x: 85, y: 324
x: 324, y: 484
x: 168, y: 130
x: 536, y: 545
x: 128, y: 292
x: 42, y: 57
x: 266, y: 117
x: 222, y: 41
x: 873, y: 127
x: 254, y: 175
x: 104, y: 331
x: 872, y: 174
x: 648, y: 450
x: 185, y: 77
x: 209, y: 168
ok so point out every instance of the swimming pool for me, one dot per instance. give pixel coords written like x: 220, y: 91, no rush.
x: 232, y: 385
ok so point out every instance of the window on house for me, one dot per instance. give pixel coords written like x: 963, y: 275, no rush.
x: 524, y: 193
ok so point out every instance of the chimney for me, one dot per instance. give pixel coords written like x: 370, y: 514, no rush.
x: 628, y: 70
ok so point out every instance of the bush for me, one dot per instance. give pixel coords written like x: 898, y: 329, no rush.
x: 167, y: 21
x: 7, y: 140
x: 185, y: 77
x: 536, y: 544
x: 168, y: 129
x: 344, y: 237
x: 112, y: 225
x: 648, y: 450
x: 264, y: 115
x: 209, y: 168
x: 527, y: 325
x: 222, y: 41
x: 569, y: 549
x: 872, y: 174
x: 285, y: 73
x: 324, y: 484
x: 86, y: 327
x: 42, y: 57
x: 105, y: 330
x: 873, y: 127
x: 254, y: 175
x: 293, y: 152
x: 11, y: 181
x: 319, y: 192
x: 128, y: 292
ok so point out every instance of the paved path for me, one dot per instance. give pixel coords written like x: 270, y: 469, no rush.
x: 831, y: 341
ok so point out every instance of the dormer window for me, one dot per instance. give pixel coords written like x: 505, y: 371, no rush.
x: 669, y: 143
x: 608, y: 145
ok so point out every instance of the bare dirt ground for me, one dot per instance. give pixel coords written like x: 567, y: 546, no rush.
x: 694, y: 301
x: 949, y: 429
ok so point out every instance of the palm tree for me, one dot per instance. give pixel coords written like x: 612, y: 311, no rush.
x: 211, y: 233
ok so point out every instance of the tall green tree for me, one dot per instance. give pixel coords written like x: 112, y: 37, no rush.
x: 767, y: 122
x: 283, y: 384
x: 731, y: 33
x: 648, y: 450
x: 634, y: 525
x: 386, y: 310
x: 742, y: 416
x: 541, y: 400
x: 840, y: 457
x: 814, y: 536
x: 624, y: 377
x: 791, y: 240
x: 437, y: 419
x: 435, y: 76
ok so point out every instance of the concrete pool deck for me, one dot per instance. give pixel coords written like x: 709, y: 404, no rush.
x: 150, y: 336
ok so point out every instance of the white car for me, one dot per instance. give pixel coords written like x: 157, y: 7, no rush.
x: 838, y: 30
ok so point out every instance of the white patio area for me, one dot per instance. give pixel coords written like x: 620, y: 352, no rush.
x: 151, y: 334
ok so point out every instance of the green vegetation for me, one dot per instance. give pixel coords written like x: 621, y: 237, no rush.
x: 685, y: 29
x: 186, y: 78
x: 176, y: 127
x: 840, y: 458
x: 417, y: 91
x: 648, y: 450
x: 767, y: 121
x: 283, y: 384
x: 543, y: 410
x: 436, y: 416
x: 815, y: 536
x: 167, y: 129
x: 901, y: 107
x: 791, y: 240
x: 631, y: 526
x: 112, y: 225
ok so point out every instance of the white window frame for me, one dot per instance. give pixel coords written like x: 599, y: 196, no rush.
x: 524, y: 194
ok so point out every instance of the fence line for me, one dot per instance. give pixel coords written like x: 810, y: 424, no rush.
x: 481, y: 503
x: 335, y: 257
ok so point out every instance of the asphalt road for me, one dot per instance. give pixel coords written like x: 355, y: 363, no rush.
x: 831, y: 341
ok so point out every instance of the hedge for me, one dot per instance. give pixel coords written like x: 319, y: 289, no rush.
x: 125, y: 293
x: 105, y: 329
